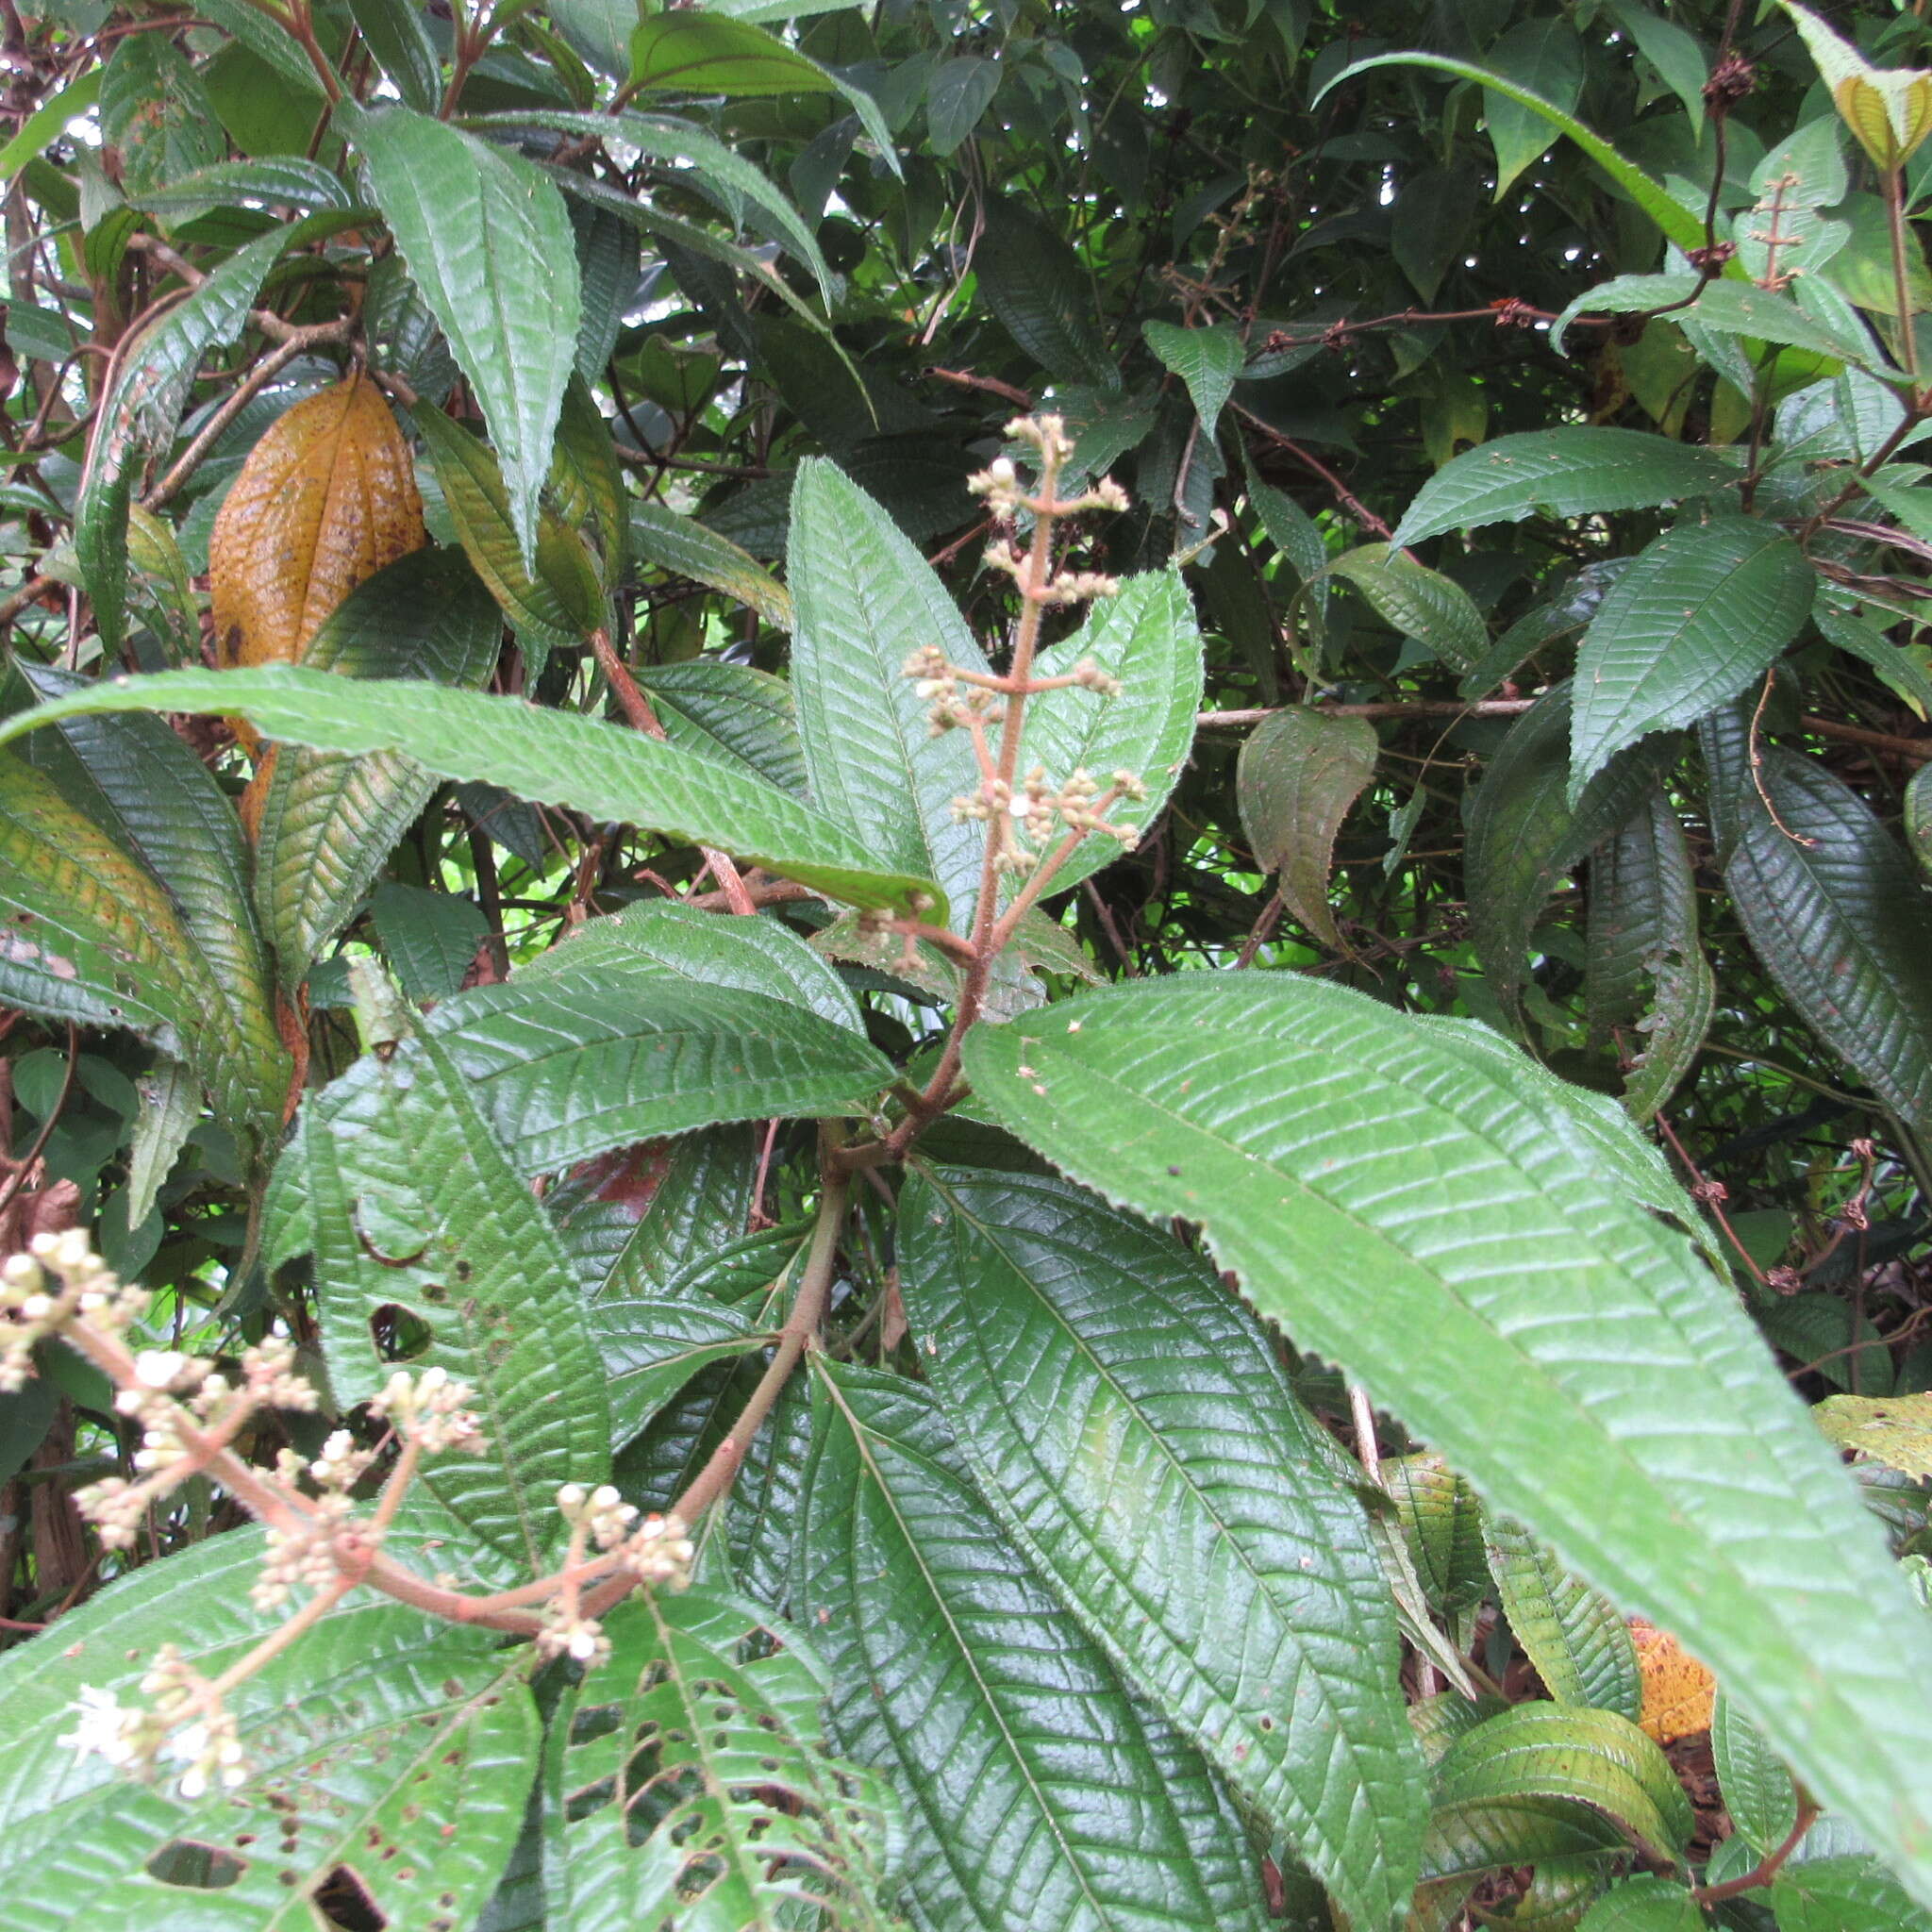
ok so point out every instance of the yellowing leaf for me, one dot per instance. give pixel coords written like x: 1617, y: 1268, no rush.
x: 1679, y: 1691
x: 1896, y: 1430
x: 327, y: 499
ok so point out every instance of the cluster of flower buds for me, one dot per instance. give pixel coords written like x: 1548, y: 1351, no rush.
x: 937, y: 679
x: 188, y: 1724
x: 1041, y: 807
x: 657, y: 1550
x: 42, y: 1293
x: 1063, y: 587
x: 432, y: 1411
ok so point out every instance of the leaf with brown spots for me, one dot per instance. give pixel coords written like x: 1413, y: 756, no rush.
x: 328, y: 498
x: 1679, y: 1691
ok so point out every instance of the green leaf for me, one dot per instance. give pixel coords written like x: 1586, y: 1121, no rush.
x: 732, y: 713
x: 1838, y: 920
x: 1893, y: 1430
x: 687, y: 549
x: 1430, y: 229
x: 549, y: 757
x: 1675, y: 53
x: 1545, y: 59
x: 1756, y: 1788
x: 723, y: 171
x: 1562, y: 473
x: 170, y: 1107
x: 1539, y: 1753
x: 1442, y: 1523
x: 381, y: 1720
x: 1524, y: 836
x: 1206, y: 360
x: 1579, y: 1645
x: 1843, y: 1894
x: 865, y: 600
x: 1039, y: 292
x: 758, y: 955
x: 1699, y: 614
x: 156, y: 114
x: 1321, y: 1139
x: 487, y: 240
x: 1299, y: 773
x: 1146, y: 637
x: 710, y: 54
x: 734, y: 1819
x: 650, y: 1347
x: 959, y: 95
x: 1917, y: 820
x: 88, y: 933
x: 49, y: 120
x: 1133, y: 1432
x: 395, y: 35
x: 138, y: 419
x: 1739, y: 309
x: 1677, y: 223
x: 1643, y: 932
x: 657, y: 1218
x: 329, y: 820
x: 557, y: 598
x: 599, y: 1050
x: 430, y: 938
x: 1421, y: 603
x: 429, y: 1248
x: 1040, y: 1794
x: 1647, y: 1903
x: 148, y: 791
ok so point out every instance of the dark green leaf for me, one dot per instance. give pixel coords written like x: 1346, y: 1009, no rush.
x: 1544, y: 58
x: 1756, y: 1788
x: 430, y: 939
x: 1442, y: 1524
x: 1206, y: 360
x: 1562, y: 473
x: 486, y: 238
x: 1422, y: 604
x: 960, y: 92
x: 651, y: 1348
x: 1524, y: 837
x: 396, y: 35
x: 1037, y: 289
x: 1039, y: 1795
x: 1286, y: 1117
x: 1840, y: 921
x: 1843, y: 1894
x: 687, y: 549
x: 1645, y: 1904
x: 1701, y: 612
x: 1433, y: 214
x: 732, y: 713
x: 1299, y: 773
x: 1134, y: 1433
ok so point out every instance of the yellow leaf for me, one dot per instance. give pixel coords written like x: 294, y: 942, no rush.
x: 1679, y: 1691
x: 1896, y: 1430
x: 328, y: 498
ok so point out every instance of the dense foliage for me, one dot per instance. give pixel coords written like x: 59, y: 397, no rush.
x: 997, y: 937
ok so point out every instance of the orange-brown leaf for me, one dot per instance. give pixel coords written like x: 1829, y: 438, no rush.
x: 1679, y: 1691
x: 328, y: 498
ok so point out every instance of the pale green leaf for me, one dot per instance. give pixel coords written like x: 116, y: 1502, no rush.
x: 736, y: 1820
x: 551, y: 756
x: 1206, y: 360
x: 1756, y: 1788
x: 1145, y: 636
x: 420, y: 1226
x: 1579, y: 1645
x: 865, y: 600
x: 1321, y: 1139
x: 1645, y: 1904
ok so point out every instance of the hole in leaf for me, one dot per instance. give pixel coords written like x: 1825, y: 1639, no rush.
x: 399, y: 1336
x: 196, y: 1867
x: 342, y: 1901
